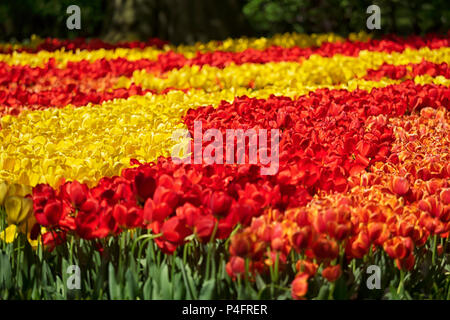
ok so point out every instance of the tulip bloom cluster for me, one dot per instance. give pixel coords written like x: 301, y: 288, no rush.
x: 86, y: 137
x: 395, y: 206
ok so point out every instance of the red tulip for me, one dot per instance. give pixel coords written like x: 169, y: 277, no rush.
x: 144, y: 184
x: 220, y: 203
x: 332, y: 273
x: 400, y: 186
x: 235, y: 267
x: 240, y: 245
x: 174, y: 230
x: 51, y: 214
x: 76, y: 192
x: 52, y: 239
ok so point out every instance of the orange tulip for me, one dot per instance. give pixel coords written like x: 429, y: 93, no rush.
x: 300, y: 286
x: 400, y: 186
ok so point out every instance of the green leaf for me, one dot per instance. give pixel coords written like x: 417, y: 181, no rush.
x: 323, y: 293
x: 114, y: 289
x: 147, y: 290
x: 180, y: 290
x: 5, y: 272
x: 131, y: 285
x: 166, y: 288
x: 189, y: 282
x: 207, y: 290
x: 155, y: 291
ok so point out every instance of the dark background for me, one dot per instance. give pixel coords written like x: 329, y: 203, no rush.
x: 187, y: 21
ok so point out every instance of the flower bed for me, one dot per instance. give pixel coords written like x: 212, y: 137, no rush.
x: 362, y: 176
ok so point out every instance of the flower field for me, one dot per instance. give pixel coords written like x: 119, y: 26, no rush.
x: 362, y: 179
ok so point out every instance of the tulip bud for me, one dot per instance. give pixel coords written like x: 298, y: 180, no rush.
x: 18, y: 190
x: 240, y: 245
x: 145, y: 185
x: 27, y: 208
x: 77, y: 193
x: 307, y: 267
x: 17, y: 209
x: 440, y: 249
x: 3, y: 191
x: 406, y: 263
x: 400, y: 186
x: 299, y: 286
x: 220, y: 203
x: 235, y: 267
x: 445, y: 196
x: 325, y: 249
x: 332, y: 273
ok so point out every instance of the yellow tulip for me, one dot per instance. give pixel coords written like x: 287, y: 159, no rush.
x: 19, y: 215
x: 19, y: 190
x: 17, y: 209
x: 9, y: 234
x: 3, y: 191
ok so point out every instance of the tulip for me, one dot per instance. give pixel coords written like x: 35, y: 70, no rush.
x: 360, y: 246
x: 300, y: 286
x: 51, y: 214
x: 9, y: 234
x: 332, y: 273
x: 325, y: 249
x: 19, y: 190
x: 444, y: 196
x: 52, y: 239
x: 307, y: 267
x: 77, y: 193
x: 240, y: 245
x: 220, y: 203
x: 406, y: 263
x: 17, y: 209
x: 400, y: 185
x: 235, y: 267
x: 174, y: 230
x: 145, y: 185
x: 204, y: 227
x: 3, y: 191
x: 302, y: 238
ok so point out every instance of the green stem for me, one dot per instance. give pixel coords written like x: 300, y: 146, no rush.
x: 433, y: 258
x: 210, y: 251
x: 141, y: 247
x: 145, y: 236
x: 71, y: 251
x: 448, y: 291
x: 400, y: 285
x: 19, y: 243
x: 276, y: 267
x: 247, y: 271
x: 185, y: 253
x: 330, y: 294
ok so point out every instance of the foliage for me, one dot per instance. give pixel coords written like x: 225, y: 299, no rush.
x: 131, y: 266
x: 47, y: 18
x: 344, y: 16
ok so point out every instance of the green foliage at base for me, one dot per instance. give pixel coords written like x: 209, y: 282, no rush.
x: 132, y: 267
